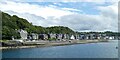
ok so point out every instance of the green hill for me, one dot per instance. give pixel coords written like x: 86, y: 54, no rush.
x: 10, y: 25
x: 60, y: 29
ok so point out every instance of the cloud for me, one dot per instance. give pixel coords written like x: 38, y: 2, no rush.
x: 71, y: 9
x: 110, y: 13
x: 83, y: 22
x: 106, y: 20
x: 54, y: 16
x: 43, y: 11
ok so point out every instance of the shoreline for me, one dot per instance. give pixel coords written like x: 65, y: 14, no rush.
x: 48, y: 44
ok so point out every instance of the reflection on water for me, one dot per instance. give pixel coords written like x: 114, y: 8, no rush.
x: 91, y: 50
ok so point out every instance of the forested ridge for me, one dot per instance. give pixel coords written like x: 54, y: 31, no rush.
x: 10, y: 25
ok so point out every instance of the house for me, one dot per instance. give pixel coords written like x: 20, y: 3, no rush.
x: 23, y: 34
x: 111, y: 37
x: 99, y: 36
x: 41, y: 36
x: 77, y: 37
x: 53, y: 35
x: 13, y: 38
x: 93, y: 36
x: 29, y: 37
x: 45, y: 36
x: 81, y: 36
x: 87, y: 36
x: 104, y: 36
x: 65, y: 36
x: 34, y: 36
x: 72, y: 37
x: 59, y: 36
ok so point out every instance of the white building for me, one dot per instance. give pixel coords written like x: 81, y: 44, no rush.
x: 34, y: 36
x: 23, y: 34
x: 53, y: 35
x: 59, y: 36
x: 65, y: 36
x: 111, y: 37
x: 72, y: 37
x: 45, y: 36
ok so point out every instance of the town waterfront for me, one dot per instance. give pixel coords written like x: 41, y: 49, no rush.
x: 89, y: 50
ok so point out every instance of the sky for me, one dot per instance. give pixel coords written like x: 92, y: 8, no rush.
x: 79, y: 15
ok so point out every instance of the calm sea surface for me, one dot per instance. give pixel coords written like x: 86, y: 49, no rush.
x: 90, y: 50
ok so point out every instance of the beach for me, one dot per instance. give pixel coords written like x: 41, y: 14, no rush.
x: 36, y: 44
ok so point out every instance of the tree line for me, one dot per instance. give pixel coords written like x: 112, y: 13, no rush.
x: 10, y: 25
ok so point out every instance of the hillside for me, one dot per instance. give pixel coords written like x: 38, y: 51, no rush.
x: 10, y: 25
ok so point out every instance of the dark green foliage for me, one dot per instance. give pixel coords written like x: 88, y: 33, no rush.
x: 51, y: 39
x: 109, y: 33
x: 8, y: 32
x: 60, y: 29
x: 9, y: 26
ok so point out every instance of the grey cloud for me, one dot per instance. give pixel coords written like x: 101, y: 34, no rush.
x: 80, y: 22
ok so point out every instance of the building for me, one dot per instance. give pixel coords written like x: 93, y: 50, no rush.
x: 23, y: 34
x: 45, y: 36
x: 59, y: 36
x: 41, y: 36
x: 81, y: 36
x: 65, y: 36
x: 72, y: 37
x: 52, y: 35
x: 34, y: 36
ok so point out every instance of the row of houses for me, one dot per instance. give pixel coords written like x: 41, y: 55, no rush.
x: 25, y: 36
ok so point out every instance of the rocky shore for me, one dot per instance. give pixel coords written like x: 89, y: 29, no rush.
x: 36, y: 44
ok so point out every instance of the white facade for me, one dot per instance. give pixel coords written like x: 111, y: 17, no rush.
x: 45, y: 36
x: 13, y: 38
x: 72, y: 37
x: 65, y: 36
x: 34, y: 36
x: 53, y: 35
x: 60, y: 36
x: 111, y: 37
x: 23, y: 34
